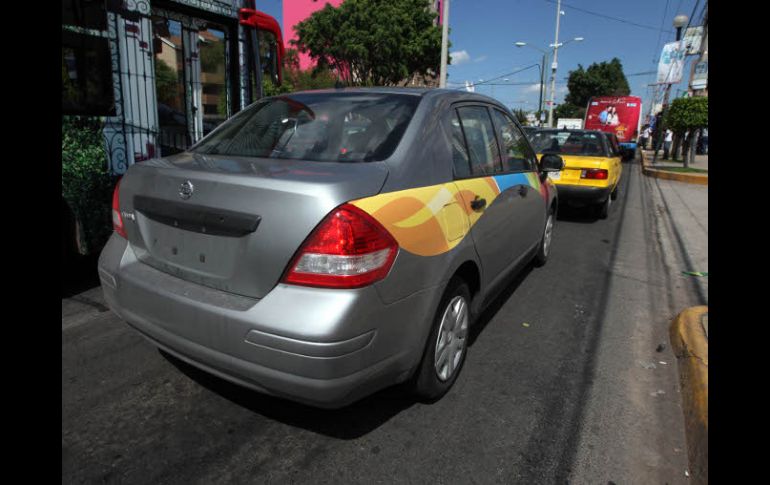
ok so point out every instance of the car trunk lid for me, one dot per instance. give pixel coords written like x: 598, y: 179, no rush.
x: 573, y: 165
x: 233, y: 223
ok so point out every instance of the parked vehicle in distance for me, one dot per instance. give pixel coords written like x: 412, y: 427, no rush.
x: 570, y: 123
x: 621, y: 115
x: 592, y: 166
x: 322, y: 245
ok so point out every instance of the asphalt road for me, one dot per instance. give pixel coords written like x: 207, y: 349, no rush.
x: 579, y: 395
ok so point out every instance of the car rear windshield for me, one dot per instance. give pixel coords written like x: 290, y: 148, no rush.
x: 569, y: 143
x: 326, y: 127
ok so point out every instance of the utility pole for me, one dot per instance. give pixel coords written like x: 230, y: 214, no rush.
x: 444, y: 41
x: 554, y: 65
x: 679, y: 22
x: 542, y: 87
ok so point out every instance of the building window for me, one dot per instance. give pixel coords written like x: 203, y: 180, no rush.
x: 86, y: 75
x: 212, y: 45
x: 87, y: 14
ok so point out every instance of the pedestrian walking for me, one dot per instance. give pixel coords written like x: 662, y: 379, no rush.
x: 667, y: 140
x: 645, y: 136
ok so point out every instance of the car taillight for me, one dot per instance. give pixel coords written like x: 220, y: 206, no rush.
x: 348, y: 249
x: 117, y: 220
x: 593, y: 173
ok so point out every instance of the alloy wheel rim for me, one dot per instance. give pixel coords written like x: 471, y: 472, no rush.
x: 451, y: 340
x: 547, y: 235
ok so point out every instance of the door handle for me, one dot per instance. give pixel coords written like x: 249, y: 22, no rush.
x: 523, y: 190
x: 478, y: 203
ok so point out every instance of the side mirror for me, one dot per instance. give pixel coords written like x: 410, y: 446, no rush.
x: 551, y: 163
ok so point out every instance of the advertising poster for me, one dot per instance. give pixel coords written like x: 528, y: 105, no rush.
x: 671, y: 63
x: 692, y: 39
x: 615, y: 114
x: 700, y: 78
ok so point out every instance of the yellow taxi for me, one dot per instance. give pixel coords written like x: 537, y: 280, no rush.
x: 592, y: 166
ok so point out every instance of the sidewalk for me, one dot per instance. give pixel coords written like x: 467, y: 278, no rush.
x: 701, y: 162
x: 681, y: 219
x: 682, y: 211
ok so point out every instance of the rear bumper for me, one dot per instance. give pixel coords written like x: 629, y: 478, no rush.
x: 326, y: 348
x: 582, y: 194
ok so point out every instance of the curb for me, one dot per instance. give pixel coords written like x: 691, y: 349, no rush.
x: 690, y: 178
x: 689, y: 340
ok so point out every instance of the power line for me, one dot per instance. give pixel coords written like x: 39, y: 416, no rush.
x: 505, y: 75
x: 660, y: 34
x: 617, y: 19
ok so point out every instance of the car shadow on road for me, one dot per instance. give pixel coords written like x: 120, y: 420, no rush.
x: 494, y: 306
x: 581, y: 215
x: 350, y: 422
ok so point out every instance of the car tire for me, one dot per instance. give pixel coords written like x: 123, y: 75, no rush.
x: 435, y: 377
x: 614, y: 194
x: 545, y: 243
x: 603, y: 209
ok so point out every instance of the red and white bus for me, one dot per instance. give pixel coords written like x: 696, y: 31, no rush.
x: 621, y: 115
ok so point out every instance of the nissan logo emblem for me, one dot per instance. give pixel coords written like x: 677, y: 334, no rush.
x: 186, y: 190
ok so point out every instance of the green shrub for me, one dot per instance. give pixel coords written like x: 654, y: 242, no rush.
x: 86, y: 182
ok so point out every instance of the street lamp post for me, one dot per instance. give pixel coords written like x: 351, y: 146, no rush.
x: 444, y: 43
x: 542, y: 70
x: 554, y: 64
x: 679, y: 22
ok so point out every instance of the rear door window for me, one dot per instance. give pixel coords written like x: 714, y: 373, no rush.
x: 483, y: 150
x: 517, y: 154
x: 460, y: 158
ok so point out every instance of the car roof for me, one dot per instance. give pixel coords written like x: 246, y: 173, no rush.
x: 434, y: 93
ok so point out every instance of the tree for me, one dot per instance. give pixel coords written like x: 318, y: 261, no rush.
x: 520, y: 115
x: 296, y: 79
x: 685, y: 117
x: 166, y: 83
x: 372, y: 42
x: 566, y: 110
x: 602, y: 79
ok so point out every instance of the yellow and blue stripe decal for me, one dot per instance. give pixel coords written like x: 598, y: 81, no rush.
x: 428, y: 221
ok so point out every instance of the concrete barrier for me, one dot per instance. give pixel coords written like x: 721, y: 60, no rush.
x: 689, y: 340
x: 690, y: 178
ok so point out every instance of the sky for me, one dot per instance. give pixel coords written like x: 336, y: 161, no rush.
x: 483, y: 33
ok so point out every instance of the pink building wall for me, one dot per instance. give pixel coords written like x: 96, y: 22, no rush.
x: 295, y: 11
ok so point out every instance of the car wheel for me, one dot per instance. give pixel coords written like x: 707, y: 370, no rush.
x: 447, y: 344
x: 603, y: 209
x: 614, y: 194
x: 545, y: 243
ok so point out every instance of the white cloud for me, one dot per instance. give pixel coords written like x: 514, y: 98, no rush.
x: 532, y: 88
x: 480, y: 59
x: 459, y: 57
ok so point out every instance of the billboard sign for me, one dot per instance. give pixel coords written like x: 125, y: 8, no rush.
x: 692, y: 39
x: 570, y: 123
x: 700, y: 77
x: 615, y: 114
x: 671, y: 63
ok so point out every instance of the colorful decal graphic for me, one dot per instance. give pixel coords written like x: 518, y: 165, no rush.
x: 432, y: 220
